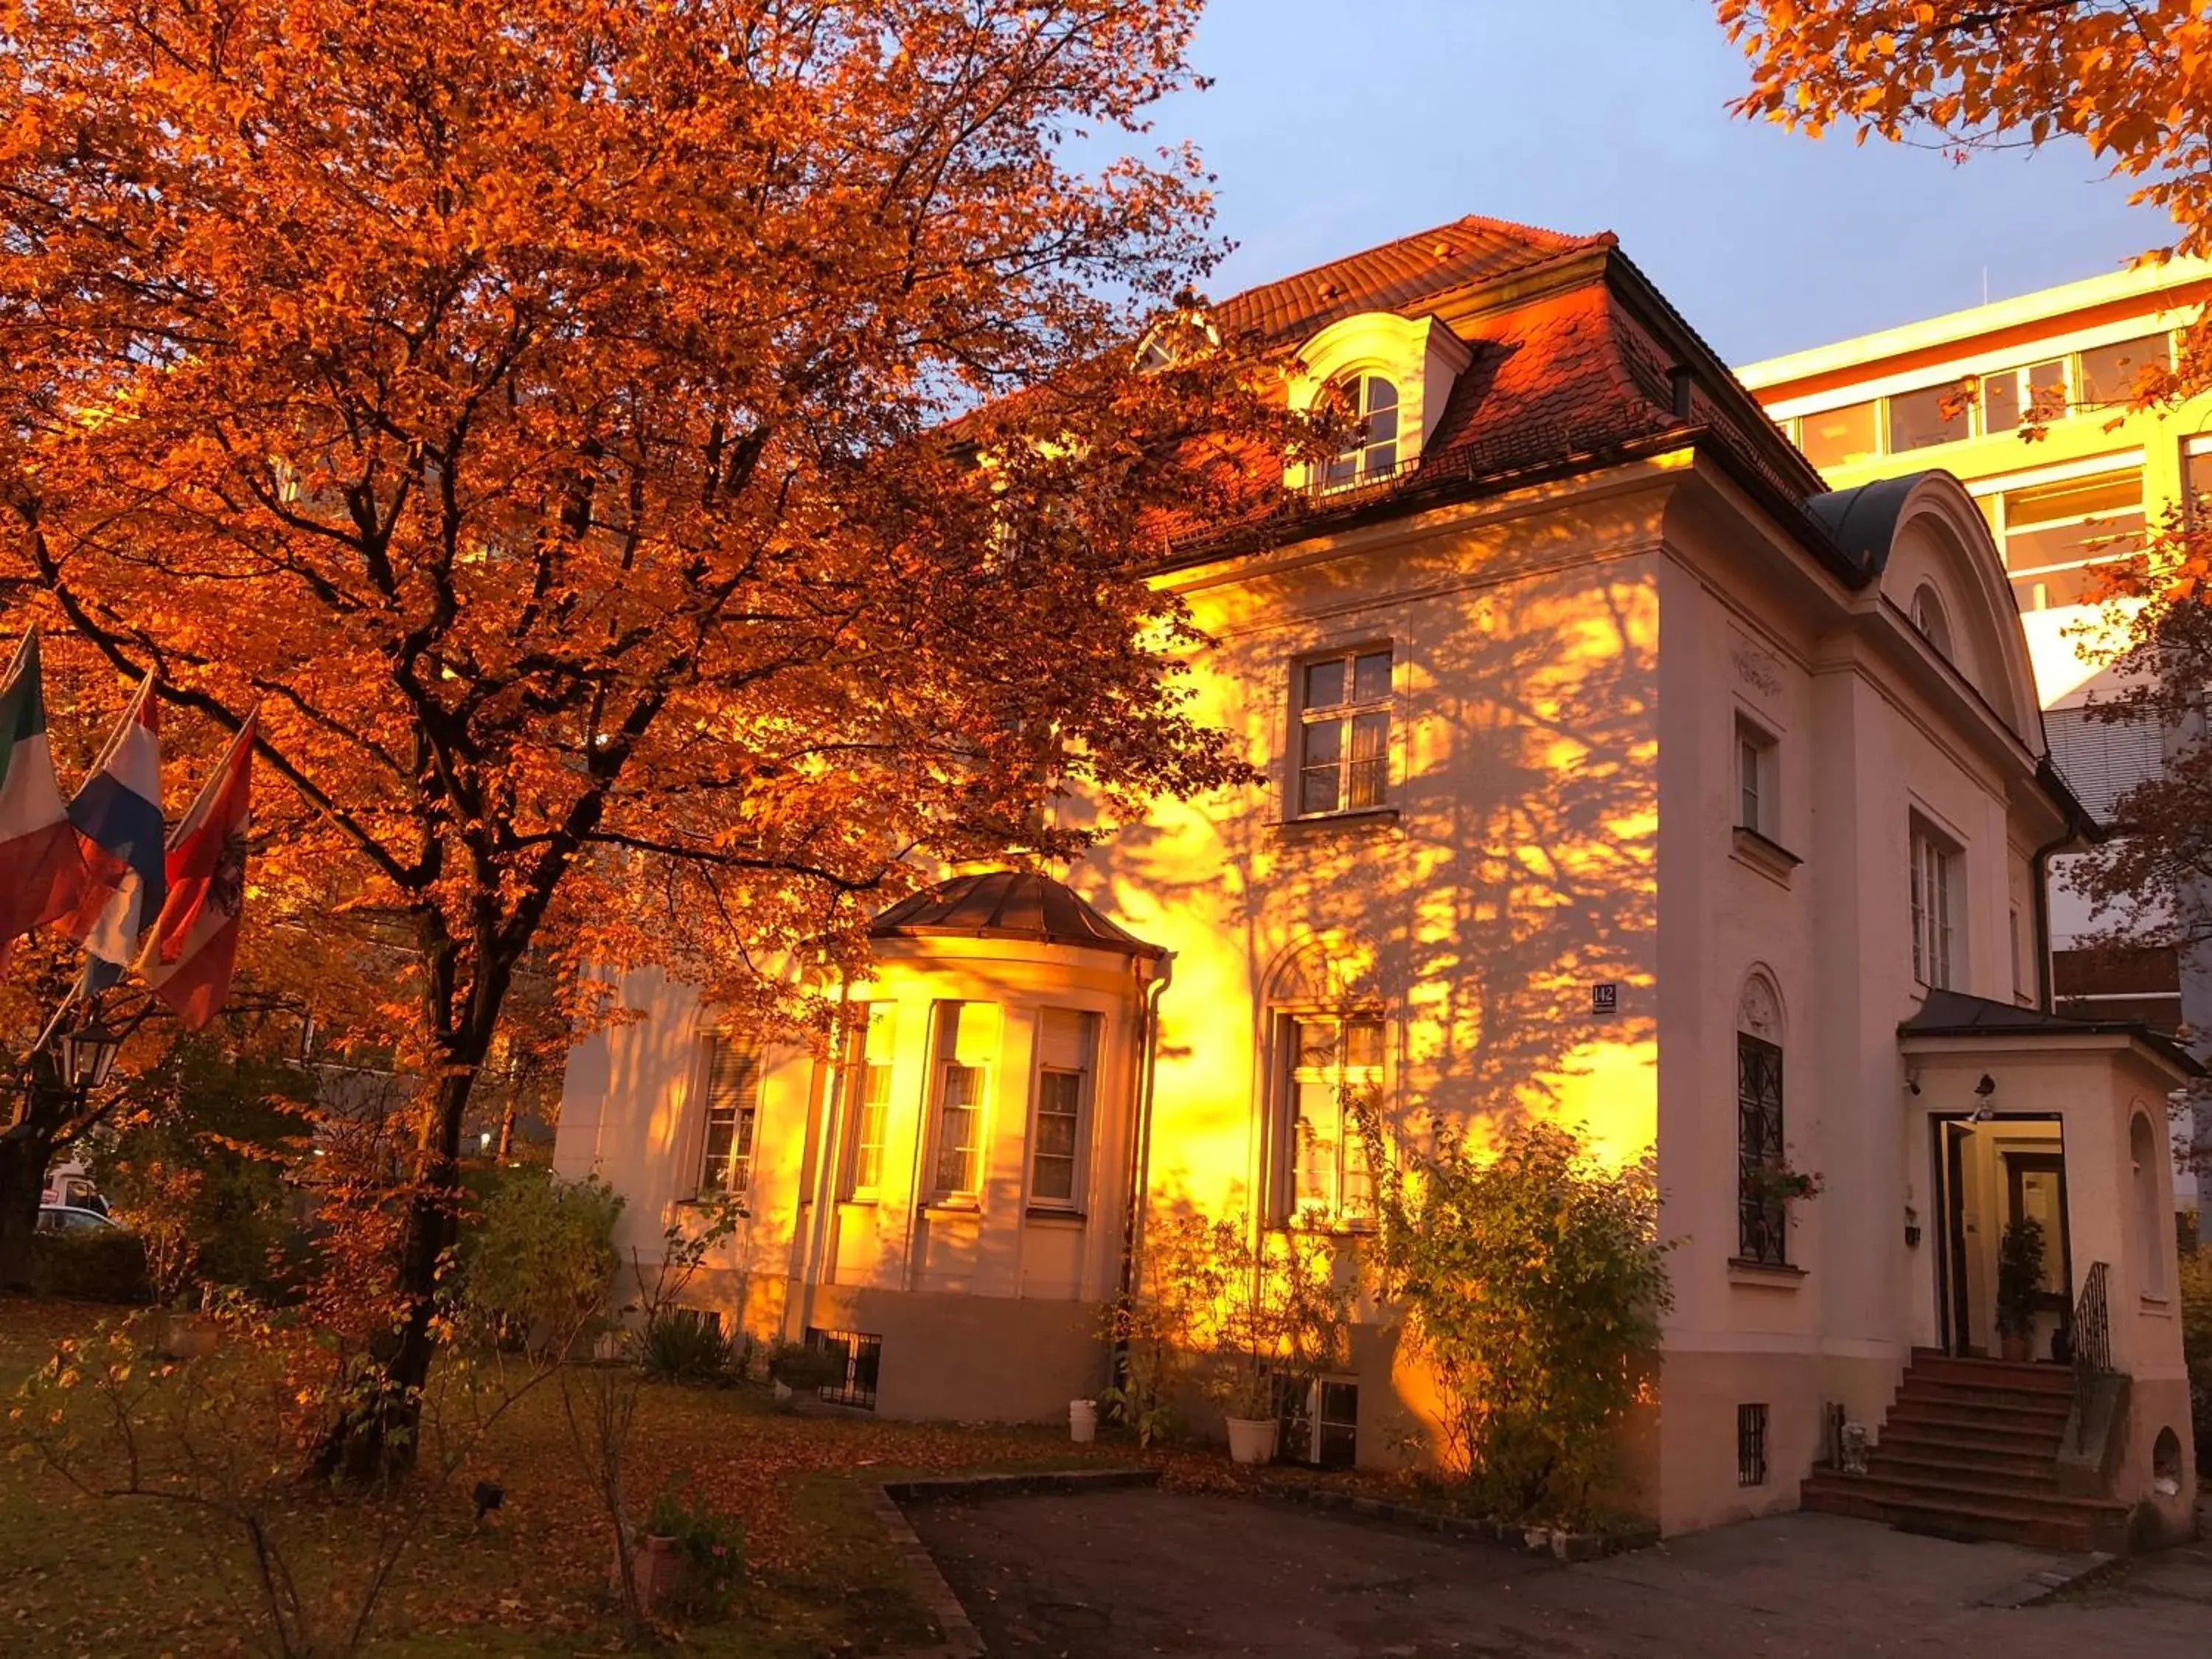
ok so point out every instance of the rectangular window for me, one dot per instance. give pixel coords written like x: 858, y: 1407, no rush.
x: 1933, y: 415
x: 2055, y: 535
x: 732, y: 1074
x: 1755, y: 795
x: 2197, y: 483
x: 1061, y: 1108
x: 1344, y: 732
x: 1750, y: 1445
x: 1837, y: 437
x: 2037, y: 393
x: 1320, y: 1422
x: 870, y: 1084
x: 1762, y: 1213
x: 1934, y: 881
x: 966, y: 1035
x: 2112, y: 375
x: 1335, y: 1067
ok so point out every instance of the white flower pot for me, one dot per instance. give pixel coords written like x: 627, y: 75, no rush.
x: 1252, y: 1439
x: 1083, y: 1421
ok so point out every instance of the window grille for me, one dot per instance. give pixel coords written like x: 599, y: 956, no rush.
x: 1750, y: 1445
x: 1343, y: 754
x: 1762, y: 1214
x: 861, y: 1355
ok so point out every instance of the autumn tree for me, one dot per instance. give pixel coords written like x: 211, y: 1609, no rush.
x: 539, y: 408
x: 2131, y: 79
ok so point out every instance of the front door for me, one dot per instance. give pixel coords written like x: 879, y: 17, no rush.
x: 2035, y: 1189
x: 1952, y: 1305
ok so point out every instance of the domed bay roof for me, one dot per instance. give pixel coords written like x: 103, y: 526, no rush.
x: 1006, y: 905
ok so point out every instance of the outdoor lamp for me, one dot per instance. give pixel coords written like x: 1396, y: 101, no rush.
x: 88, y: 1055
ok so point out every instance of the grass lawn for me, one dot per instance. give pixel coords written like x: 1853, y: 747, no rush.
x: 128, y: 1577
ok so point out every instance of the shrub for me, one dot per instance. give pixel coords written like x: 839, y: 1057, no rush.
x: 1532, y: 1281
x: 2196, y: 1345
x: 542, y: 1258
x: 2020, y: 1253
x: 804, y: 1370
x: 712, y: 1545
x: 90, y: 1264
x: 682, y: 1345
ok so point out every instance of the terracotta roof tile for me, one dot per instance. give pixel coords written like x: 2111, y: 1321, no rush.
x: 1404, y: 275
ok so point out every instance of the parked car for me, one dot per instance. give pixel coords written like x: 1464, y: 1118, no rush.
x: 69, y: 1184
x: 67, y: 1218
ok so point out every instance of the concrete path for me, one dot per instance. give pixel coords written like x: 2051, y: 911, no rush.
x: 1115, y: 1575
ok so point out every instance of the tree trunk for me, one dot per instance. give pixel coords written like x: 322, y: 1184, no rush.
x: 374, y: 1438
x: 22, y: 1178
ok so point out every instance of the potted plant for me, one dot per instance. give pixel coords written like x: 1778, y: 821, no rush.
x: 1243, y: 1386
x: 1777, y: 1183
x: 795, y: 1369
x: 2019, y: 1286
x: 691, y: 1557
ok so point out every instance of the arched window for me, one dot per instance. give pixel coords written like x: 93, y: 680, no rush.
x: 1329, y: 1039
x: 1762, y: 1207
x: 1374, y: 400
x: 2150, y: 1222
x: 1927, y: 617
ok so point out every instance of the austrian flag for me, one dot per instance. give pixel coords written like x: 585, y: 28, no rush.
x: 39, y: 869
x: 188, y: 956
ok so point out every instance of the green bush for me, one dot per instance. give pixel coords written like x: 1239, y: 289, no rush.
x: 538, y: 1267
x: 804, y: 1370
x: 1531, y: 1279
x: 713, y: 1544
x: 90, y: 1264
x: 2197, y: 1344
x: 682, y: 1345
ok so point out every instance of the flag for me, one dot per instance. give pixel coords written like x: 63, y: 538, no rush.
x: 194, y: 941
x: 40, y: 867
x: 118, y: 815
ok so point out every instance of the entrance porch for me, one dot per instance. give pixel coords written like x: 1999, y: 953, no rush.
x: 2051, y: 1132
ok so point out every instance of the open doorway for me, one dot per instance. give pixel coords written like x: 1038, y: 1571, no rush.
x: 1994, y: 1172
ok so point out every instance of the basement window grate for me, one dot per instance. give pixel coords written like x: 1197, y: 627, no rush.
x: 1750, y: 1445
x: 861, y: 1354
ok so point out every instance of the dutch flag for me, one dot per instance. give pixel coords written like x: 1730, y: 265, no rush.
x: 118, y: 815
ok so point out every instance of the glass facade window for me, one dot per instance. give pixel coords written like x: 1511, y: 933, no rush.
x: 2112, y: 375
x: 1836, y: 437
x: 2055, y: 535
x: 1933, y: 415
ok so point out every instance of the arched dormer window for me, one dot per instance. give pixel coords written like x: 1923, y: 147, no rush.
x: 1374, y: 452
x: 1928, y: 615
x: 1396, y: 376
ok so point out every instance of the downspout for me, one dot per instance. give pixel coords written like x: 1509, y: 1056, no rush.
x: 1140, y: 1138
x: 825, y: 1162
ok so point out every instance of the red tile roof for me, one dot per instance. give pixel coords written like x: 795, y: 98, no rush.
x: 1404, y: 276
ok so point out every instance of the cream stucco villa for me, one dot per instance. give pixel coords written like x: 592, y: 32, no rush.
x: 1616, y: 770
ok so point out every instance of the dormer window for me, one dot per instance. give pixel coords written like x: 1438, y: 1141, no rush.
x: 1389, y: 378
x: 1374, y: 451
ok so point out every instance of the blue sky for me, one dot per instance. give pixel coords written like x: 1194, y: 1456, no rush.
x: 1334, y: 124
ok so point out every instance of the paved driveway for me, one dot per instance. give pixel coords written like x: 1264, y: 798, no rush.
x: 1110, y: 1575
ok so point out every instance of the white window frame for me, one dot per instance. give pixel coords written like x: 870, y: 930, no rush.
x: 1345, y: 717
x: 1369, y: 457
x: 735, y: 1178
x: 1086, y: 1078
x: 942, y: 1065
x: 1758, y: 779
x: 1349, y: 1152
x: 867, y: 1072
x: 1998, y: 511
x: 1936, y: 878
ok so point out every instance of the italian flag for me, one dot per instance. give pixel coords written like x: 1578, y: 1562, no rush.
x: 40, y: 869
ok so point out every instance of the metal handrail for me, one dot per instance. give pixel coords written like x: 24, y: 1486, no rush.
x: 2092, y: 1340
